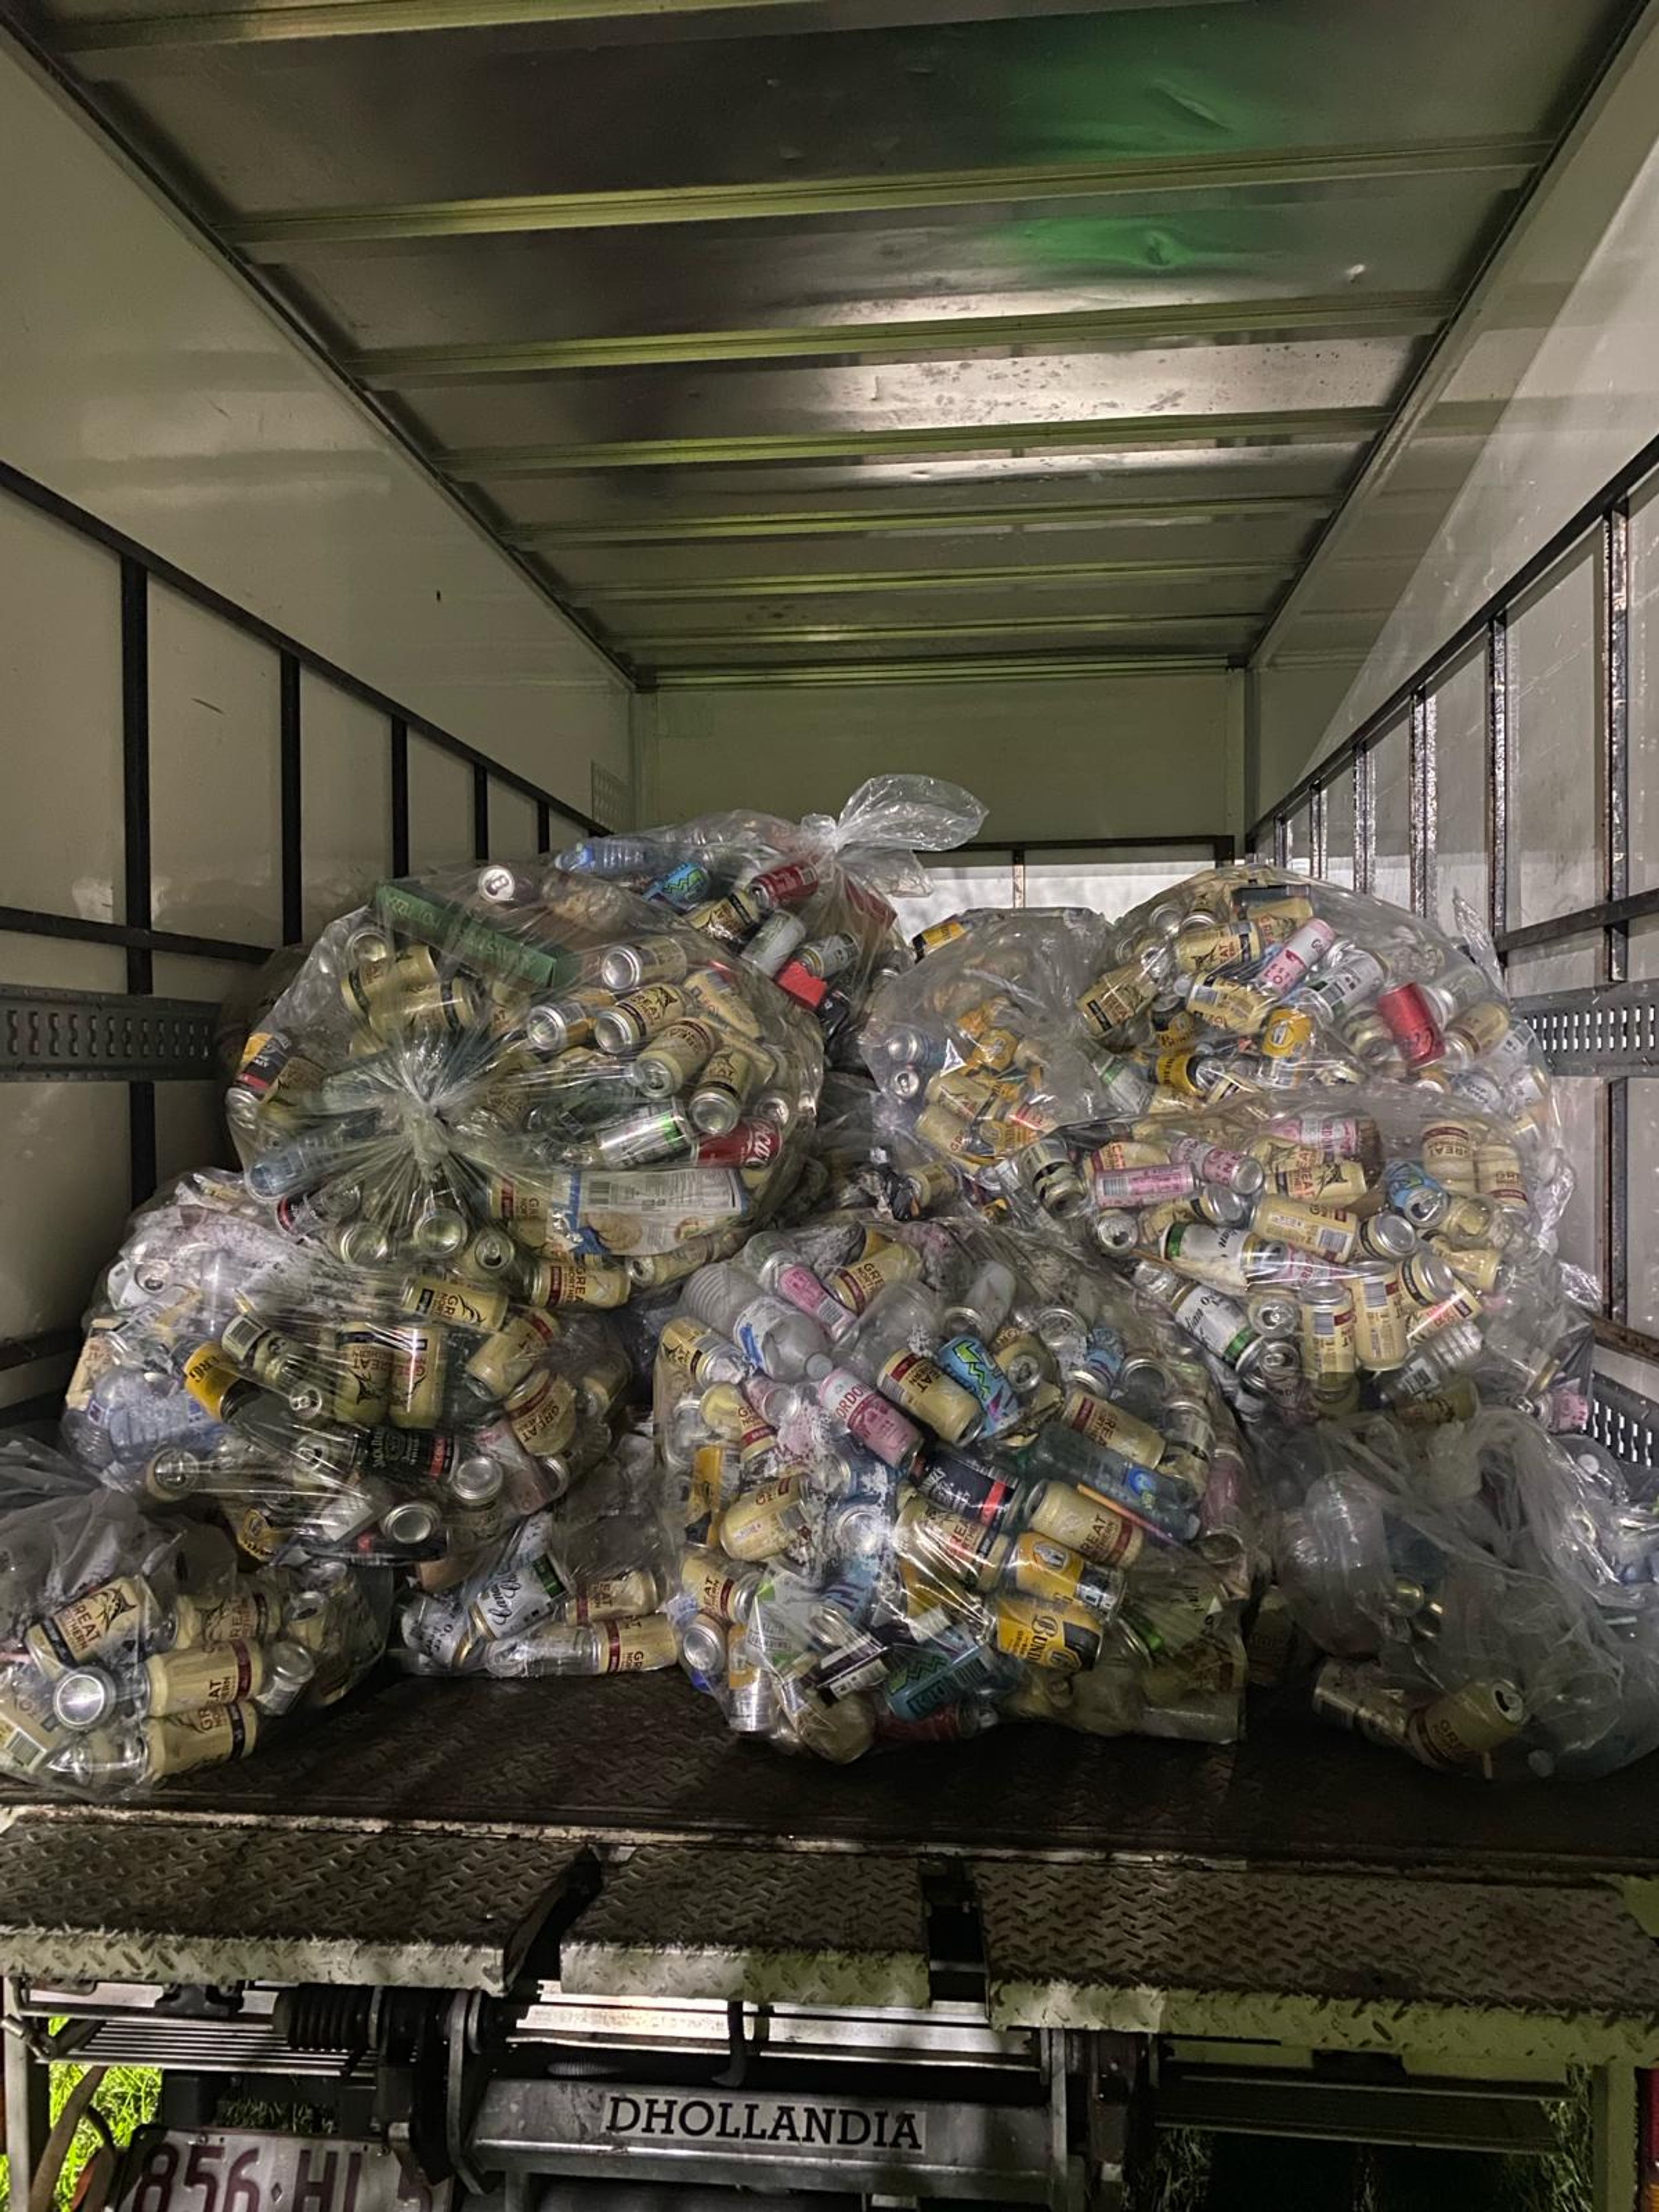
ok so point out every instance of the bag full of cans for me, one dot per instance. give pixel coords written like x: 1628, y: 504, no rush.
x: 1482, y: 1594
x: 535, y: 1081
x: 135, y: 1646
x: 1308, y: 1124
x: 573, y: 1587
x: 327, y: 1412
x: 805, y: 903
x: 926, y: 1477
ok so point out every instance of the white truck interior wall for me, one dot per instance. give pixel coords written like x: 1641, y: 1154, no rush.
x: 1107, y: 756
x: 1547, y: 384
x: 141, y: 379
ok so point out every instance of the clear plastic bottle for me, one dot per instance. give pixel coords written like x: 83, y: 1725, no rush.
x: 638, y: 1645
x: 771, y: 1335
x: 779, y: 1265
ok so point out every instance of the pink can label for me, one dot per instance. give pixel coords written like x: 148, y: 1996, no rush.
x: 866, y: 1414
x: 1143, y: 1186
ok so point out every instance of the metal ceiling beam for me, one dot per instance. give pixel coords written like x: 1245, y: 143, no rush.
x: 986, y: 668
x: 862, y: 582
x: 1138, y: 177
x: 1113, y: 434
x: 1206, y: 322
x: 919, y: 521
x: 923, y: 632
x: 348, y: 19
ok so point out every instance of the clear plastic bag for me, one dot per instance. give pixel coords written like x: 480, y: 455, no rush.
x: 520, y: 1073
x: 133, y: 1648
x: 1486, y: 1591
x: 1306, y: 1123
x: 576, y: 1588
x: 926, y: 1478
x: 805, y: 903
x: 323, y: 1411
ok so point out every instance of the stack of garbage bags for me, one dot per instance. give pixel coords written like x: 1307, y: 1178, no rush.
x: 484, y: 1112
x: 924, y: 1477
x: 1304, y: 1121
x: 1310, y: 1128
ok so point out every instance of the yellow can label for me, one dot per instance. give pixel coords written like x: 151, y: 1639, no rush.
x: 1233, y: 1007
x: 601, y: 1282
x: 1117, y: 998
x: 1041, y: 1568
x: 685, y: 1347
x: 543, y: 1416
x: 913, y: 1381
x: 1106, y: 1424
x: 179, y: 1681
x: 1044, y: 1633
x: 1329, y: 1235
x: 763, y: 1521
x: 98, y: 1621
x: 1088, y: 1524
x: 882, y: 1261
x: 207, y: 1737
x: 466, y: 1305
x: 213, y: 1383
x: 1474, y: 1264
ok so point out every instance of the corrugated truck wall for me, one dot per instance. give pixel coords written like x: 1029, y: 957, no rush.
x: 192, y: 775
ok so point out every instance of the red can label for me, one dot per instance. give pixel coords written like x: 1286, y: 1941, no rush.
x: 1411, y: 1022
x: 750, y: 1144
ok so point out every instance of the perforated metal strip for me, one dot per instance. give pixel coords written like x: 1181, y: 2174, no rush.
x: 85, y: 1036
x: 1599, y: 1030
x: 1625, y: 1422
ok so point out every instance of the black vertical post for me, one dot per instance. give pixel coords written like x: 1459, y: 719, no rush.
x: 137, y: 908
x: 544, y: 826
x: 1615, y: 714
x: 480, y: 813
x: 1422, y: 798
x: 400, y: 796
x: 294, y: 921
x: 1497, y: 778
x: 1364, y: 818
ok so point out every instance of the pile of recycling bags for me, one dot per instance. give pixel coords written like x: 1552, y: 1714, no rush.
x: 394, y: 1358
x: 1303, y: 1123
x: 643, y: 1259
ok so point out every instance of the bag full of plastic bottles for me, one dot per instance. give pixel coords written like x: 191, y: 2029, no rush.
x: 1482, y: 1592
x: 805, y: 903
x: 135, y: 1646
x: 328, y: 1412
x: 535, y: 1080
x: 1332, y: 1204
x: 926, y: 1477
x: 574, y: 1588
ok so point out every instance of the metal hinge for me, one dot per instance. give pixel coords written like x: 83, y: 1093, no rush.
x: 58, y: 1036
x: 1600, y: 1028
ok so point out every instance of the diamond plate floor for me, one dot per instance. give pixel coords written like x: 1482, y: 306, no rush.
x: 639, y: 1759
x: 147, y: 1897
x: 819, y: 1928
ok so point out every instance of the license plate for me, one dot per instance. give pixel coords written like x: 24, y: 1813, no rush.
x: 244, y: 2169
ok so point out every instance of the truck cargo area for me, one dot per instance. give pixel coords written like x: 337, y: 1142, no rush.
x: 434, y: 430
